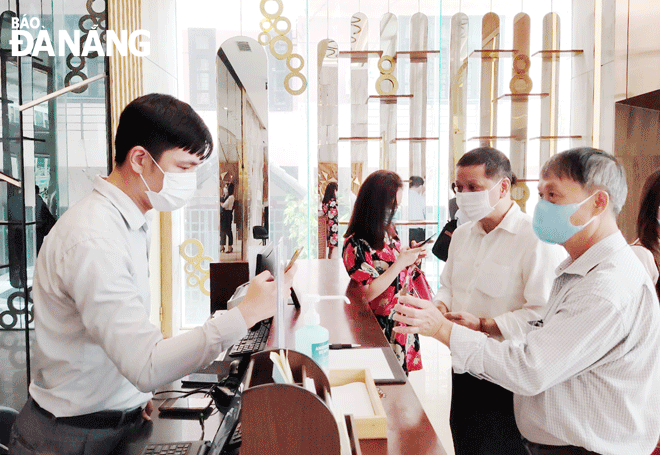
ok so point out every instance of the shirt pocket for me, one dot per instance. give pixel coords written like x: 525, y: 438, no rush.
x: 495, y: 280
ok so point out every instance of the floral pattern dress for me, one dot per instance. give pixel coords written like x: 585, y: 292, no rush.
x: 332, y: 215
x: 364, y: 264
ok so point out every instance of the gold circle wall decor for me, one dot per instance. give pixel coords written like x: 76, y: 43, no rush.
x: 278, y: 30
x: 390, y: 60
x: 263, y: 38
x: 520, y: 84
x: 521, y: 63
x: 287, y: 83
x: 290, y: 65
x: 386, y: 74
x: 263, y: 21
x: 289, y: 48
x: 391, y: 79
x: 520, y: 194
x: 271, y: 23
x: 280, y: 8
x: 198, y: 275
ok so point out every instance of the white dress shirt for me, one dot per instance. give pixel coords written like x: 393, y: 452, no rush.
x: 588, y: 373
x: 416, y: 206
x: 646, y: 258
x: 505, y: 274
x: 95, y: 347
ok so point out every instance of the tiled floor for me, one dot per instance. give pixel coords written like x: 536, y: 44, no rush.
x: 433, y: 388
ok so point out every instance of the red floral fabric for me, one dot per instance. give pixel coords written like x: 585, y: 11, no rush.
x: 332, y: 215
x: 364, y: 264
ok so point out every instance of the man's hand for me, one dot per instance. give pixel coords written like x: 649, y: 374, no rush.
x: 465, y: 319
x: 260, y: 301
x: 421, y: 316
x: 148, y: 409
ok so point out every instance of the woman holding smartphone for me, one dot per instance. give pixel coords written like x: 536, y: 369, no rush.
x: 377, y: 264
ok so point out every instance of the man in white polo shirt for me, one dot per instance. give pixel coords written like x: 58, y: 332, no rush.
x: 97, y: 356
x: 586, y: 376
x: 497, y: 277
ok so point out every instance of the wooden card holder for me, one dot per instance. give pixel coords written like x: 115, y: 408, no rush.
x: 280, y: 419
x: 374, y: 427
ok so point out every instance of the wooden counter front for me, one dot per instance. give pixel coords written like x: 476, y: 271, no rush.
x: 409, y: 430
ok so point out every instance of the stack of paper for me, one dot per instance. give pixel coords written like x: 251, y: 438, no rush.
x: 281, y: 369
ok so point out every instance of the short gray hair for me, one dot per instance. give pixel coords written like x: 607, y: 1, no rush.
x: 594, y: 170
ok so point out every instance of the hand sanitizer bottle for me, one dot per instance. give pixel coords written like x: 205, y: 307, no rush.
x: 313, y: 339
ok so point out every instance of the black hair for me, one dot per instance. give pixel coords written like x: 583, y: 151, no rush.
x: 230, y: 188
x: 495, y: 162
x: 375, y: 203
x: 330, y: 192
x: 158, y: 123
x: 648, y: 229
x: 415, y: 181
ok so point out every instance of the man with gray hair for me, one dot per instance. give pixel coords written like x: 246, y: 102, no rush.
x: 586, y: 378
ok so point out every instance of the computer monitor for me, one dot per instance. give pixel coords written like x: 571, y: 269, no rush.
x: 266, y: 261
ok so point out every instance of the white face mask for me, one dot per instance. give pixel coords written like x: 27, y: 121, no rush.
x: 178, y: 189
x: 475, y: 205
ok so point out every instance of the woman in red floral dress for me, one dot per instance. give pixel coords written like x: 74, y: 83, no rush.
x: 331, y: 215
x: 375, y: 260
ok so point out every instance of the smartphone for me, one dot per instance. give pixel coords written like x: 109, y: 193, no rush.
x: 186, y: 406
x: 426, y: 241
x: 293, y: 259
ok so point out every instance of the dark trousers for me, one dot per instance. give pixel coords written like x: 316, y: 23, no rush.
x: 481, y: 418
x: 35, y: 432
x: 543, y: 449
x: 416, y: 234
x: 225, y: 230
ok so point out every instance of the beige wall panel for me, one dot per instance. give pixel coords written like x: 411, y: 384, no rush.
x: 419, y: 31
x: 458, y: 67
x: 490, y: 40
x: 637, y: 136
x: 637, y: 48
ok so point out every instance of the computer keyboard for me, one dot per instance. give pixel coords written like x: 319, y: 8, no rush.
x: 180, y: 448
x: 254, y: 341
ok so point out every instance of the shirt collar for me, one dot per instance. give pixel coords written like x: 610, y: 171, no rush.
x: 509, y: 223
x: 129, y: 211
x: 593, y: 256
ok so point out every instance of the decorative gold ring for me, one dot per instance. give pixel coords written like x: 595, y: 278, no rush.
x: 521, y: 63
x: 383, y: 59
x: 288, y: 43
x: 294, y: 56
x: 288, y: 25
x: 388, y: 77
x: 263, y: 38
x: 270, y: 23
x: 287, y: 81
x: 520, y: 83
x: 275, y: 15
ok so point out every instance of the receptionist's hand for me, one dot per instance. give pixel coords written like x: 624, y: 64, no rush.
x: 148, y: 409
x: 260, y: 301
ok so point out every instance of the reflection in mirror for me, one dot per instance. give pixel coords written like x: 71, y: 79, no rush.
x: 242, y: 108
x: 328, y: 121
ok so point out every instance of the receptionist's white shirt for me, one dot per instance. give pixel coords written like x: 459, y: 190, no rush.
x: 96, y: 349
x: 506, y: 274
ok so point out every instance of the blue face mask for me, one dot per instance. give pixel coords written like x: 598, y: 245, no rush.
x: 552, y: 222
